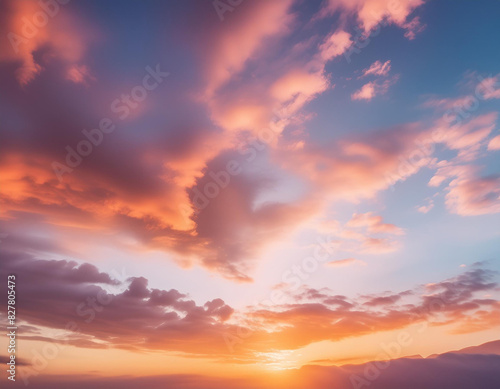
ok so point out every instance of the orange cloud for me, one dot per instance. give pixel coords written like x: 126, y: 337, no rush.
x: 345, y: 262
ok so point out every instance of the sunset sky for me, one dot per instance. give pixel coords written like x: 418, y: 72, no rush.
x: 224, y: 193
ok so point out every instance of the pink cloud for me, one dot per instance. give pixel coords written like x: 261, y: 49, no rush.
x: 413, y: 27
x: 79, y: 74
x: 372, y: 89
x: 474, y: 195
x: 335, y: 44
x: 241, y: 37
x: 490, y: 88
x: 466, y: 137
x: 494, y: 143
x: 367, y: 92
x: 297, y: 87
x: 363, y: 233
x: 298, y: 82
x: 468, y: 193
x: 370, y: 13
x: 426, y: 208
x: 379, y: 246
x: 378, y: 69
x: 352, y: 169
x: 481, y: 89
x: 241, y: 105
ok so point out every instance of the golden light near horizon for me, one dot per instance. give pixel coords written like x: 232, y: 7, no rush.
x: 278, y: 360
